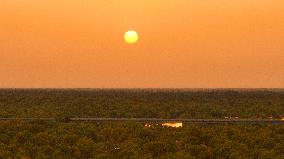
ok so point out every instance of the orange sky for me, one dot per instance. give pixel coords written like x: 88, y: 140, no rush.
x: 183, y: 43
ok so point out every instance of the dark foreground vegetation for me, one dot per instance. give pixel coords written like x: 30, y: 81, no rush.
x: 142, y: 103
x: 63, y: 139
x: 133, y: 140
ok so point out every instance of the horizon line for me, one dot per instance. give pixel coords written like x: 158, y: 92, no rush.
x: 192, y: 88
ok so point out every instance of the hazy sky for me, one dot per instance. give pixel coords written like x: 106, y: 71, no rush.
x: 183, y: 43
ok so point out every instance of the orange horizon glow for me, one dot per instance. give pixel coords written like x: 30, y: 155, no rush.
x: 182, y: 44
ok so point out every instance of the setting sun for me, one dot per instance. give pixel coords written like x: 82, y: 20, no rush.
x: 131, y: 37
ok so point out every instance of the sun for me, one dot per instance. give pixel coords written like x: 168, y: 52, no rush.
x: 131, y: 37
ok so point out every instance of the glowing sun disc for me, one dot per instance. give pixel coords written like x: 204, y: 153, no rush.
x: 131, y: 37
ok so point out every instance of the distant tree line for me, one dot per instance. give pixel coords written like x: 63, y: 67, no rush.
x: 141, y: 103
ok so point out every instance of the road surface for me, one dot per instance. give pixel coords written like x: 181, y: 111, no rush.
x: 157, y: 120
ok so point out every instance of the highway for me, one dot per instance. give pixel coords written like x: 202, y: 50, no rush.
x: 156, y: 120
